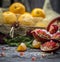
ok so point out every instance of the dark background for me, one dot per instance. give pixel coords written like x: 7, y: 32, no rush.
x: 30, y: 4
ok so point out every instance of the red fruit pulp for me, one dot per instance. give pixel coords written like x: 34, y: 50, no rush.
x: 53, y: 21
x: 41, y: 32
x: 41, y: 35
x: 53, y: 29
x: 51, y: 44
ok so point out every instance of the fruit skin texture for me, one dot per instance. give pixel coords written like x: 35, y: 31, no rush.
x: 26, y: 19
x: 21, y: 47
x: 17, y: 8
x: 36, y: 44
x: 9, y: 17
x: 53, y: 29
x: 38, y: 12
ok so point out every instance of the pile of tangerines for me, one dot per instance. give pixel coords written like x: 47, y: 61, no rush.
x: 17, y: 13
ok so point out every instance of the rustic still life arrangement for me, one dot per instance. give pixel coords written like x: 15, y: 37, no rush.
x: 25, y: 30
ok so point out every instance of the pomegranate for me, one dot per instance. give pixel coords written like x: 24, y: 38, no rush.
x: 49, y: 46
x: 41, y: 35
x: 52, y: 22
x: 53, y: 29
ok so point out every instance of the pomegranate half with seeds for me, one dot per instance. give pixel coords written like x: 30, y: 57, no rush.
x: 41, y: 35
x: 49, y: 46
x: 54, y: 25
x: 53, y: 29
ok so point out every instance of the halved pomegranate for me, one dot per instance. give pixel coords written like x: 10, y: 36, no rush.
x: 41, y: 35
x: 56, y: 20
x: 49, y: 46
x: 53, y: 29
x: 54, y: 25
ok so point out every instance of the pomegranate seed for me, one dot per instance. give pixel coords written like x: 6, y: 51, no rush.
x: 33, y: 58
x: 3, y: 48
x: 21, y: 53
x: 2, y: 53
